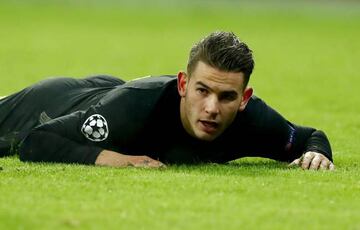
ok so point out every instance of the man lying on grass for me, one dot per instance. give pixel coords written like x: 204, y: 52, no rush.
x: 207, y: 114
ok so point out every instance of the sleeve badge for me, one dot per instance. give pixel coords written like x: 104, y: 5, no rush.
x: 95, y: 128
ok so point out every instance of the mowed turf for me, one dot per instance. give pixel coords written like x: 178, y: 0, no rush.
x: 306, y: 68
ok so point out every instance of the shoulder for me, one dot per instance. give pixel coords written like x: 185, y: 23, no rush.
x: 254, y: 110
x: 258, y: 113
x: 152, y: 82
x: 255, y: 104
x: 146, y: 91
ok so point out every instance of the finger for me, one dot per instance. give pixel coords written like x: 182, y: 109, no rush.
x: 315, y: 163
x: 307, y: 160
x: 157, y: 164
x: 296, y: 162
x: 161, y: 165
x: 144, y: 164
x: 324, y: 165
x: 331, y: 166
x: 150, y: 163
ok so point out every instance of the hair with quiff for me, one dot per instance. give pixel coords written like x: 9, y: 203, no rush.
x: 224, y: 51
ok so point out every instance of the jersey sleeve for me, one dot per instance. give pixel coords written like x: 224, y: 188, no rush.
x: 80, y: 137
x: 59, y: 140
x: 263, y: 132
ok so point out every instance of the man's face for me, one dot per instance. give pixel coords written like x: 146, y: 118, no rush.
x: 210, y: 100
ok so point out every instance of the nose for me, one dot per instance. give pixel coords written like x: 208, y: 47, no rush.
x: 212, y: 106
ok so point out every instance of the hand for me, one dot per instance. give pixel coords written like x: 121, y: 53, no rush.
x: 114, y: 159
x: 313, y: 160
x: 144, y: 161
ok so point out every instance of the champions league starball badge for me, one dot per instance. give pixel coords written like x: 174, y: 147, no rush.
x: 95, y: 128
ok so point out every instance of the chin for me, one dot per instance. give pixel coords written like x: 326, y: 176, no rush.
x: 206, y: 137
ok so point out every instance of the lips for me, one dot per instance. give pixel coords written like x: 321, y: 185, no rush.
x: 209, y: 126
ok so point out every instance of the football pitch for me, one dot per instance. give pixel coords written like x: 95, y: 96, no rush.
x: 307, y: 68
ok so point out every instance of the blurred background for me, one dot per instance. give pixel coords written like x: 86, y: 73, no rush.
x: 306, y: 52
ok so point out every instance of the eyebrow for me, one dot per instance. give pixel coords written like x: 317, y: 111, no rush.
x: 202, y: 84
x: 231, y: 92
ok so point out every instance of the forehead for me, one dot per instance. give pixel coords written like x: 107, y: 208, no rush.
x: 217, y: 79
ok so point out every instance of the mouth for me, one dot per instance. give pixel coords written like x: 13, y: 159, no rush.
x: 209, y: 126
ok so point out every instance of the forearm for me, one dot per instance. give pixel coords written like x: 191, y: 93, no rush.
x: 306, y: 139
x: 318, y: 142
x: 317, y: 153
x: 43, y: 146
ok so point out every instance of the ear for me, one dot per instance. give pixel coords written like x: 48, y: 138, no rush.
x: 182, y: 79
x: 248, y: 92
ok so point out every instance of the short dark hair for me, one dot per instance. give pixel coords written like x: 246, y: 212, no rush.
x: 224, y: 51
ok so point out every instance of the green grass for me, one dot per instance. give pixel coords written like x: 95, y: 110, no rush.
x: 306, y: 67
x: 247, y: 194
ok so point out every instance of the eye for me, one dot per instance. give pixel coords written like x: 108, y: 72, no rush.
x: 228, y: 97
x: 202, y: 91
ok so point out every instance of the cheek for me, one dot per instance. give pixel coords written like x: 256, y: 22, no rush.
x: 193, y: 106
x: 230, y: 112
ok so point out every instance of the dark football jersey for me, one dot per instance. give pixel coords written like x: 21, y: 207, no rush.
x: 142, y: 117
